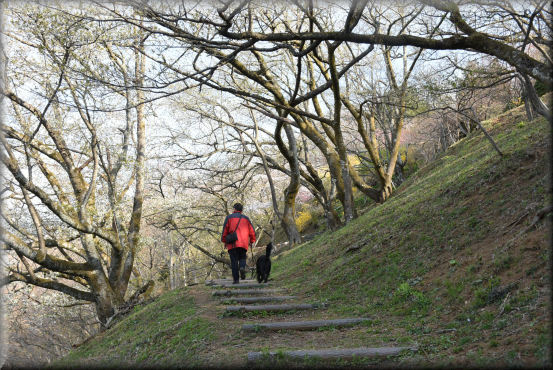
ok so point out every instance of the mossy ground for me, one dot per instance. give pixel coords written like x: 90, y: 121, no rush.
x: 446, y: 263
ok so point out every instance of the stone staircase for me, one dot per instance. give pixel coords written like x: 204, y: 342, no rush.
x: 250, y: 295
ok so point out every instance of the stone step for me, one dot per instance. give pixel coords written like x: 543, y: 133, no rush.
x: 303, y: 325
x: 227, y: 281
x: 258, y: 299
x: 345, y: 353
x: 245, y: 291
x: 274, y: 307
x: 240, y: 285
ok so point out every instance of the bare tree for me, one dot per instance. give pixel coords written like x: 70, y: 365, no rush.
x: 428, y: 25
x: 65, y: 211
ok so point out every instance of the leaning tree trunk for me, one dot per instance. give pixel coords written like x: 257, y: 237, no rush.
x: 349, y: 205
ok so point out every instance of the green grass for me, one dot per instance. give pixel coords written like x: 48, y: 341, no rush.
x: 164, y: 332
x: 419, y: 219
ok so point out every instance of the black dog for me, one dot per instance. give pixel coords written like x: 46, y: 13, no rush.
x: 263, y: 265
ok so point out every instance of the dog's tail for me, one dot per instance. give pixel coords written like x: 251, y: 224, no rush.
x: 268, y: 250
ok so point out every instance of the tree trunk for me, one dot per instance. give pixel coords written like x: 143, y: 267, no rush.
x: 288, y: 218
x: 528, y: 106
x: 399, y: 176
x: 394, y: 152
x: 289, y: 225
x: 172, y: 284
x: 332, y: 219
x: 532, y: 101
x: 185, y: 263
x: 288, y: 221
x: 317, y: 188
x: 349, y: 205
x: 106, y: 299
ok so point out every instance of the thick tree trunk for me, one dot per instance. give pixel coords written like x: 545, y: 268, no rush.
x: 106, y: 299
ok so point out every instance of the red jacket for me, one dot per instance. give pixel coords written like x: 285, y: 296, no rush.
x: 245, y: 231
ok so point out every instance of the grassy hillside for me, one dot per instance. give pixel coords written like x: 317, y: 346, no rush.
x: 446, y: 260
x: 166, y: 332
x: 448, y: 263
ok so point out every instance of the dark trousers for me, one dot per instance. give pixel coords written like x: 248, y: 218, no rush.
x: 237, y: 261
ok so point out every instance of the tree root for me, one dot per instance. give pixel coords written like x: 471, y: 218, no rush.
x: 129, y: 305
x: 538, y: 217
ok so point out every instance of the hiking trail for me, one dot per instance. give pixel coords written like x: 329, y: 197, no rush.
x: 252, y: 332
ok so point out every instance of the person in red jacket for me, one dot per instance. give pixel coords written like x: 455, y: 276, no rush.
x: 239, y: 223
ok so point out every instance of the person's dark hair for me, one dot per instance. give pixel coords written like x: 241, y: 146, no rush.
x: 238, y: 207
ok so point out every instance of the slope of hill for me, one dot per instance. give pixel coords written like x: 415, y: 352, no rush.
x: 457, y: 261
